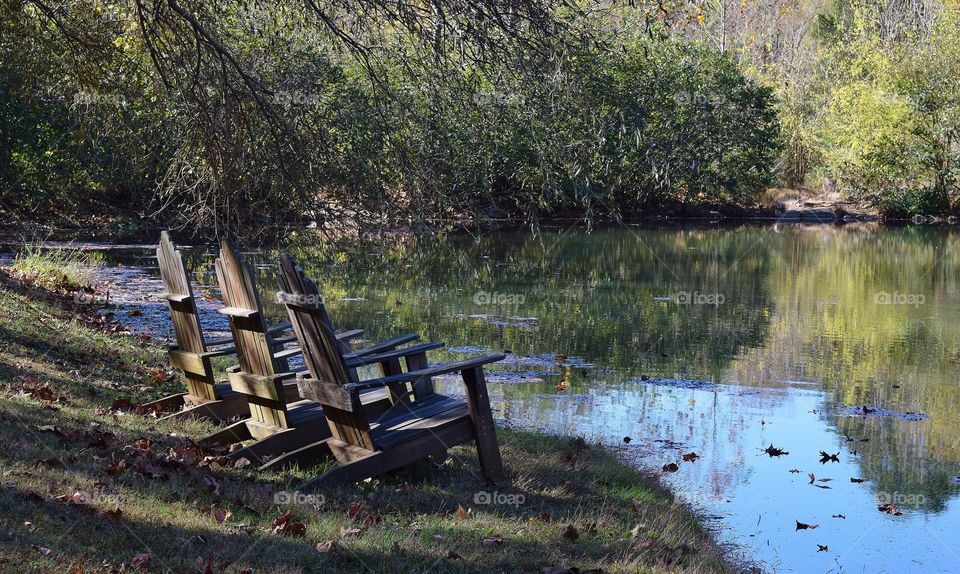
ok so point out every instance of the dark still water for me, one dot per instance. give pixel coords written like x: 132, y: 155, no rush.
x: 720, y: 342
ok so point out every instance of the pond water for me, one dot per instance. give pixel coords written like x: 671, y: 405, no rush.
x: 718, y: 341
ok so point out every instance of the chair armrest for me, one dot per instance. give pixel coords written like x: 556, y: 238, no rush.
x: 279, y: 328
x: 215, y: 342
x: 287, y: 353
x: 428, y: 372
x: 382, y: 346
x: 351, y: 334
x: 220, y: 352
x: 390, y: 355
x: 283, y: 340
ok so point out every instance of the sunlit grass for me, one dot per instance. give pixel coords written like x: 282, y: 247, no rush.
x: 61, y: 270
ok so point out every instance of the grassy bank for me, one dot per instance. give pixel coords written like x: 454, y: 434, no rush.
x: 90, y: 487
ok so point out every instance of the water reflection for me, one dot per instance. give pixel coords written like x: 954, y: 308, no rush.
x: 792, y: 324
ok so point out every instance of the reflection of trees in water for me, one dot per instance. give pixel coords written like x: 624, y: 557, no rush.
x: 593, y: 294
x: 829, y: 326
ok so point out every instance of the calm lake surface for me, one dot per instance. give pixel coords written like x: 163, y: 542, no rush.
x: 719, y: 341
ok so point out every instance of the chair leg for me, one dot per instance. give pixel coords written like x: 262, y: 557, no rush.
x: 237, y: 432
x: 485, y: 435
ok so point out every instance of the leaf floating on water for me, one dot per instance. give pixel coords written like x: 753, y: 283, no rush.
x: 858, y: 480
x: 671, y: 467
x: 839, y: 516
x: 794, y: 471
x: 802, y: 526
x: 774, y: 451
x: 825, y: 458
x: 690, y: 457
x: 890, y: 509
x: 626, y: 440
x: 813, y: 477
x: 822, y: 548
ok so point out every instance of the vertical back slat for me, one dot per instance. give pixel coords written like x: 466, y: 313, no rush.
x: 253, y: 342
x: 183, y: 313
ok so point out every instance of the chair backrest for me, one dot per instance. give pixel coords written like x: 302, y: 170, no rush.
x: 251, y: 337
x: 179, y: 294
x: 185, y: 319
x: 322, y: 352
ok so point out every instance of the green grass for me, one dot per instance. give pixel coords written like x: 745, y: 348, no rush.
x: 58, y: 270
x: 62, y: 439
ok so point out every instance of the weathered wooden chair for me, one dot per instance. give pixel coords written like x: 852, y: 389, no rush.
x: 420, y: 424
x: 281, y: 421
x: 204, y: 397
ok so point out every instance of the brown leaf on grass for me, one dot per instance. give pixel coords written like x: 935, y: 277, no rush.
x: 222, y: 515
x: 453, y: 555
x: 671, y: 467
x: 495, y: 540
x: 802, y: 526
x: 545, y: 517
x: 115, y: 513
x: 122, y: 405
x: 286, y: 526
x: 370, y: 520
x: 142, y: 560
x: 327, y: 545
x: 463, y: 513
x: 351, y: 532
x: 43, y: 550
x: 353, y: 510
x: 571, y: 533
x: 116, y: 469
x: 241, y: 462
x: 690, y: 457
x: 52, y: 461
x: 143, y: 444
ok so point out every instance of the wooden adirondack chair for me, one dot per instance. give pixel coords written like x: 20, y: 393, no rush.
x: 281, y: 421
x: 421, y: 424
x: 204, y: 396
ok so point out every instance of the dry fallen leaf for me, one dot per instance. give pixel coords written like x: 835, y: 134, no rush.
x: 462, y: 513
x: 802, y: 526
x: 453, y: 555
x: 327, y: 545
x: 42, y: 549
x: 671, y: 467
x: 690, y: 457
x: 571, y: 533
x: 495, y: 540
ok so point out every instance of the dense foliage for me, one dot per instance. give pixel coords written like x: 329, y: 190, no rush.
x: 248, y: 114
